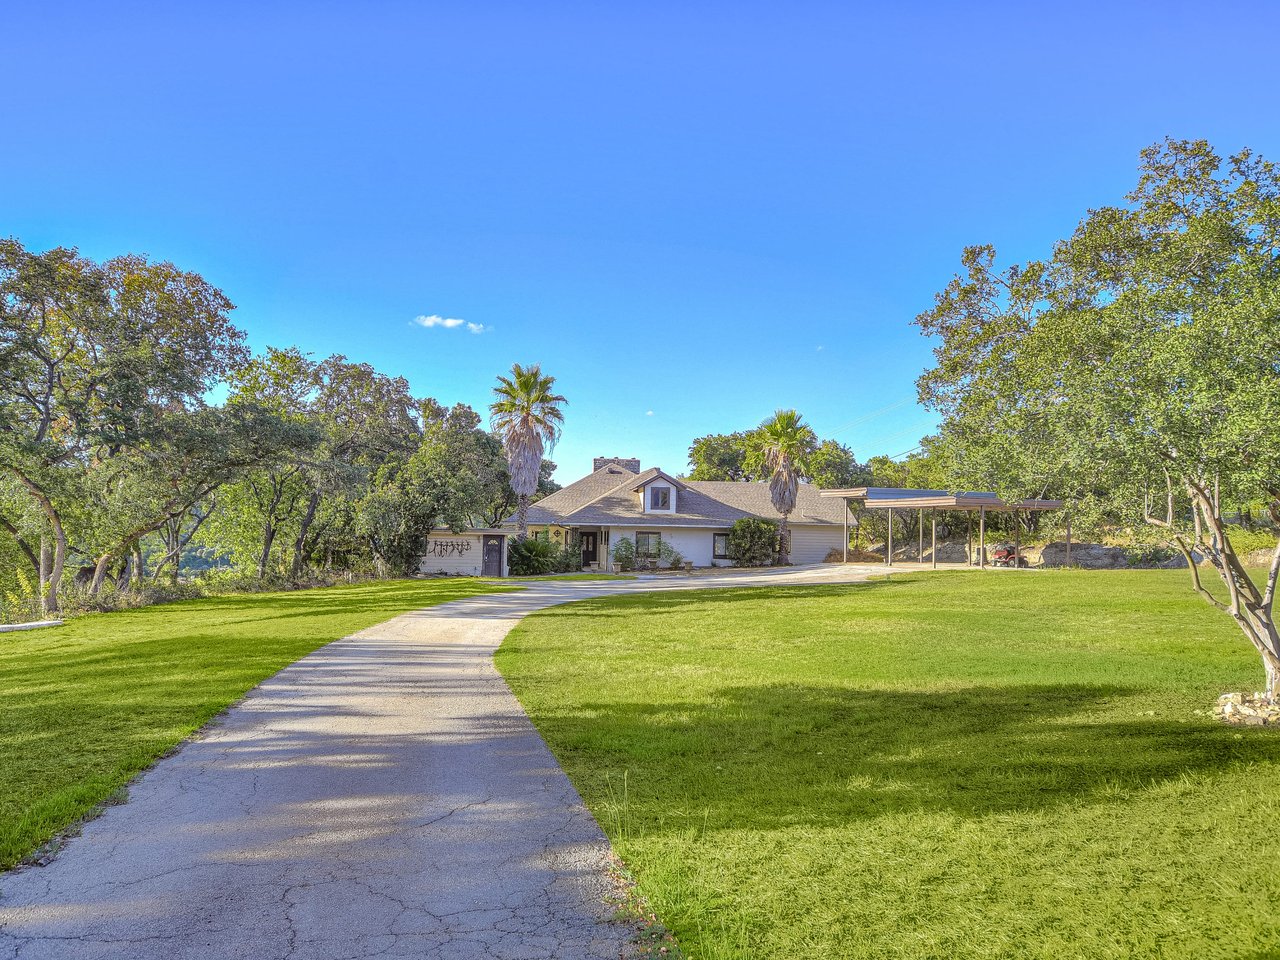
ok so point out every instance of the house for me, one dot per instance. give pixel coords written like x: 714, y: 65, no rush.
x: 618, y: 499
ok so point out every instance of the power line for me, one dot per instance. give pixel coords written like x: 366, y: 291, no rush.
x: 872, y: 415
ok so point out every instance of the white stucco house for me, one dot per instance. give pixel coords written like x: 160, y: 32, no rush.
x: 618, y: 499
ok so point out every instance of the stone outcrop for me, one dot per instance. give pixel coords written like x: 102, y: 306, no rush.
x: 1099, y: 556
x: 1259, y: 558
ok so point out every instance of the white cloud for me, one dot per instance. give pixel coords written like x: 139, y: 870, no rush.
x: 821, y: 348
x: 449, y: 323
x: 648, y: 413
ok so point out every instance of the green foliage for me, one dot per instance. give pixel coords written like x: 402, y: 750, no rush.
x: 833, y: 466
x: 1249, y: 541
x: 532, y: 557
x: 740, y: 456
x: 528, y: 417
x: 753, y: 542
x: 720, y: 456
x: 669, y: 555
x: 1133, y: 370
x: 100, y: 366
x: 955, y: 765
x: 90, y: 704
x: 624, y: 553
x: 570, y: 558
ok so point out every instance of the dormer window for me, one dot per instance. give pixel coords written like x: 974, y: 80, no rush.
x: 659, y: 498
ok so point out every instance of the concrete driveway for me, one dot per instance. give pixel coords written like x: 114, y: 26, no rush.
x: 385, y: 796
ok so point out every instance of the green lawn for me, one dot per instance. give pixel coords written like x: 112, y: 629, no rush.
x: 88, y: 705
x: 951, y: 765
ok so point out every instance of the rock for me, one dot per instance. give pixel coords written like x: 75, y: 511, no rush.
x: 1259, y: 558
x: 1091, y: 556
x: 1248, y: 711
x: 1099, y: 556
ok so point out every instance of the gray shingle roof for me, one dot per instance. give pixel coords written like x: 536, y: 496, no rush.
x: 753, y: 499
x: 607, y: 497
x: 553, y: 507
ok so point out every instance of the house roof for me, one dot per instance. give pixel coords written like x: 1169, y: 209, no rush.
x: 607, y: 496
x: 553, y: 507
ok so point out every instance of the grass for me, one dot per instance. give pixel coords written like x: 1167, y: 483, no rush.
x: 88, y: 705
x: 957, y: 765
x: 568, y: 576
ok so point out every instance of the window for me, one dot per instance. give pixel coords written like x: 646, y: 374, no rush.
x: 647, y: 544
x: 720, y: 546
x: 659, y: 498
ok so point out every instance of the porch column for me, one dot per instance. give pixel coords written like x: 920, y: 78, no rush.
x: 1017, y: 540
x: 921, y: 554
x: 934, y: 519
x: 1068, y: 539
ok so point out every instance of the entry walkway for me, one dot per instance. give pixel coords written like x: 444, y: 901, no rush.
x: 385, y: 796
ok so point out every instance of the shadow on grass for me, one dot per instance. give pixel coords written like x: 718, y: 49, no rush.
x: 786, y: 755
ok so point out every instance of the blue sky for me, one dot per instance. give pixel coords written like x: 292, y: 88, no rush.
x: 691, y: 214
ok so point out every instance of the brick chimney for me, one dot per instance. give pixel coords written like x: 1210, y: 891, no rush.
x: 626, y: 463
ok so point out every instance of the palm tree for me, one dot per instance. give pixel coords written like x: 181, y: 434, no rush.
x: 527, y: 415
x: 785, y: 444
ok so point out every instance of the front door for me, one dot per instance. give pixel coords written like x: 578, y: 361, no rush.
x: 492, y: 556
x: 590, y: 548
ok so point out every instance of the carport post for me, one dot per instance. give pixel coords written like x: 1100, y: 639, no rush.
x: 888, y: 550
x: 982, y: 537
x: 922, y: 534
x: 934, y: 519
x: 1017, y: 541
x: 1068, y: 539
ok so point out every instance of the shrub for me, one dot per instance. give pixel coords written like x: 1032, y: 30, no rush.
x: 624, y: 553
x: 569, y: 559
x: 753, y: 542
x: 532, y: 557
x: 1247, y: 541
x: 669, y: 555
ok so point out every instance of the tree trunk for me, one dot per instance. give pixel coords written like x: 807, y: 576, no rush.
x: 522, y: 518
x: 53, y: 583
x: 300, y: 543
x: 268, y: 538
x: 99, y: 574
x: 46, y: 567
x: 126, y: 574
x: 784, y: 542
x: 1272, y: 666
x: 22, y: 545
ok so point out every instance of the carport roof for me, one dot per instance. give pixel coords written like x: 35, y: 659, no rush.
x: 896, y: 498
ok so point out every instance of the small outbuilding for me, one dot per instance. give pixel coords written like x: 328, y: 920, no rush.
x: 473, y: 552
x: 893, y: 499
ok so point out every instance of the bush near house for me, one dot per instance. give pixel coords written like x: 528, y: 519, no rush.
x: 532, y: 557
x: 753, y: 542
x: 624, y: 553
